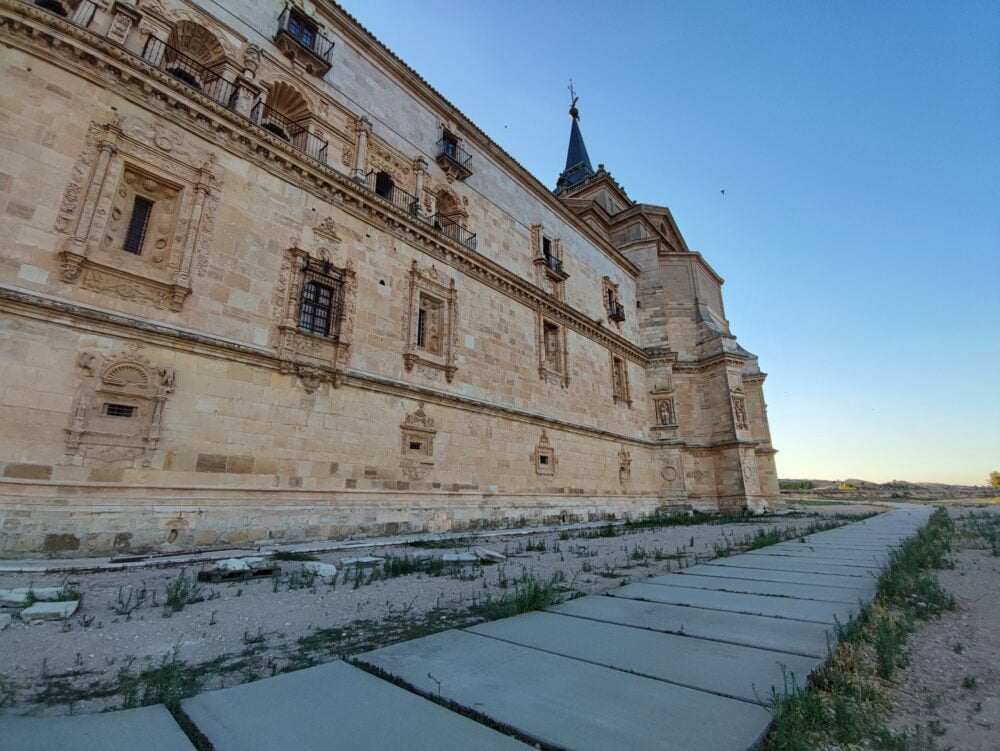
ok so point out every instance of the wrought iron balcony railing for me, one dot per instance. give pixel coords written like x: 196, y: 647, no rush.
x: 450, y: 227
x: 186, y: 69
x: 616, y: 311
x: 454, y: 160
x: 382, y: 185
x: 293, y: 25
x: 288, y: 130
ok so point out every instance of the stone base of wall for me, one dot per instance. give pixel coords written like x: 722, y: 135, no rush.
x: 58, y: 520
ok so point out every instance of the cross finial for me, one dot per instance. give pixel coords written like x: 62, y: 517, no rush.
x: 573, y: 111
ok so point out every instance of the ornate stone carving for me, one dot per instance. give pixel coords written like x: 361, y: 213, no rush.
x: 740, y: 413
x: 417, y: 446
x: 665, y: 413
x: 553, y: 359
x: 314, y: 358
x: 137, y: 159
x: 118, y: 410
x: 429, y: 327
x: 620, y: 391
x: 544, y: 456
x: 624, y: 468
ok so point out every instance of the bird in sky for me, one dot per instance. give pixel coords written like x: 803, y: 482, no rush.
x: 723, y: 191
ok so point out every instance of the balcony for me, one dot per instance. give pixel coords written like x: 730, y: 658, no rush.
x: 616, y: 311
x: 300, y: 39
x: 553, y: 267
x: 382, y: 185
x: 188, y: 71
x: 449, y: 226
x: 287, y: 130
x: 453, y: 159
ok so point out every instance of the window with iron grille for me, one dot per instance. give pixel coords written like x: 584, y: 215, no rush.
x: 119, y: 410
x: 322, y: 299
x: 135, y: 235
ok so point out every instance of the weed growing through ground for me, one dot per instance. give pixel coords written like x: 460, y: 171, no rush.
x: 180, y: 593
x: 844, y: 703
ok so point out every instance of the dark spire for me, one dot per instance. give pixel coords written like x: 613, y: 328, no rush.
x: 578, y: 166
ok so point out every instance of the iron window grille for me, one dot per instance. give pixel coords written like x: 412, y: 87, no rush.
x: 322, y: 304
x: 616, y: 311
x: 119, y: 410
x: 135, y: 235
x: 448, y: 147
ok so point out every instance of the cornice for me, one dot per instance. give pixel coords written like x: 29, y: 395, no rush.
x: 27, y: 304
x: 168, y: 98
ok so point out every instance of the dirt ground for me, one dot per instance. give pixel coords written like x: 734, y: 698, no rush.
x: 248, y: 630
x: 949, y: 695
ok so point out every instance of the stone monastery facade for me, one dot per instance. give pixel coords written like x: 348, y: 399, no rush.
x: 260, y: 281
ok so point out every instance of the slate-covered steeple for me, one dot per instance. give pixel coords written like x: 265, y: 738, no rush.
x: 578, y: 166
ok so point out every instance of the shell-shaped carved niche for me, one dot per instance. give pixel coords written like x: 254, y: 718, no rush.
x: 288, y: 101
x: 126, y: 374
x: 197, y: 42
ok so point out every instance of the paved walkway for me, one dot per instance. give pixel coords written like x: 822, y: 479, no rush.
x: 682, y: 661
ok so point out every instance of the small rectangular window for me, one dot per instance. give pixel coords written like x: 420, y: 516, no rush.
x: 135, y: 235
x: 119, y: 410
x: 449, y: 143
x: 422, y: 328
x: 543, y: 459
x: 414, y: 446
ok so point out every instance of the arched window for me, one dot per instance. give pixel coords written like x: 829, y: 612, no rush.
x: 287, y: 115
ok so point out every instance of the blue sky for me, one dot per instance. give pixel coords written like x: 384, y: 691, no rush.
x: 859, y: 147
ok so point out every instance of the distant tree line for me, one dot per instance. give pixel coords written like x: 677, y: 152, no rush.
x: 796, y: 485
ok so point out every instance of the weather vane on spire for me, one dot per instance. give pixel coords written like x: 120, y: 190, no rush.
x: 573, y: 111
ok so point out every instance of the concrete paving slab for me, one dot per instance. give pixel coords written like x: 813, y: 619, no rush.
x: 332, y: 707
x: 775, y: 575
x: 824, y: 549
x: 726, y: 669
x: 567, y: 702
x: 147, y: 728
x: 735, y: 602
x: 782, y: 635
x: 780, y: 589
x: 830, y: 560
x: 788, y: 563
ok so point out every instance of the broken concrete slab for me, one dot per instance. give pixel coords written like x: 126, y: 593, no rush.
x: 18, y: 597
x: 49, y: 611
x: 325, y: 570
x: 815, y: 611
x: 238, y: 564
x: 782, y: 635
x: 763, y: 574
x: 364, y: 561
x: 147, y: 728
x: 333, y: 706
x: 726, y: 669
x: 462, y: 558
x: 569, y: 703
x: 489, y: 556
x: 779, y: 589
